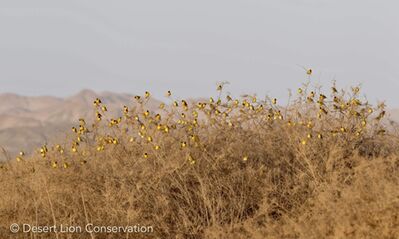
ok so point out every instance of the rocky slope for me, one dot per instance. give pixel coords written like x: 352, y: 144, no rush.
x: 28, y: 122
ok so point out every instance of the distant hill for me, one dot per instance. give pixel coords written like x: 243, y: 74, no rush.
x: 28, y: 122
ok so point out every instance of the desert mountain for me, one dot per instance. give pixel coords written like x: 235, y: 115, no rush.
x: 28, y: 122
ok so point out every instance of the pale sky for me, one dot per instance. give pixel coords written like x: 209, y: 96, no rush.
x: 60, y: 47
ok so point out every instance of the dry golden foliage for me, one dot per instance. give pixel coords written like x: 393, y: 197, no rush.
x: 322, y: 167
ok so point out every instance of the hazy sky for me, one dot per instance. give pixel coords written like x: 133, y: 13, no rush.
x: 60, y: 47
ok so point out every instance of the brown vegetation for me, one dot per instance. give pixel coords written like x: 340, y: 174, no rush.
x: 322, y: 167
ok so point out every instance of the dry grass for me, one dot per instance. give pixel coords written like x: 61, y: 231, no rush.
x: 322, y: 167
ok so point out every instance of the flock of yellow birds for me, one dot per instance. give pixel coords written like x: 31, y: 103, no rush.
x: 316, y: 115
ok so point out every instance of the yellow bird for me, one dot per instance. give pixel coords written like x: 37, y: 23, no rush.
x: 74, y: 130
x: 184, y: 103
x: 159, y: 126
x: 44, y: 149
x: 125, y: 109
x: 98, y: 116
x: 162, y: 106
x: 147, y: 94
x: 190, y: 159
x: 356, y: 90
x: 183, y: 144
x: 97, y: 102
x: 82, y: 121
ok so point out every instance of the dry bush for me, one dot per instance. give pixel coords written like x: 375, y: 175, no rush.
x: 322, y: 167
